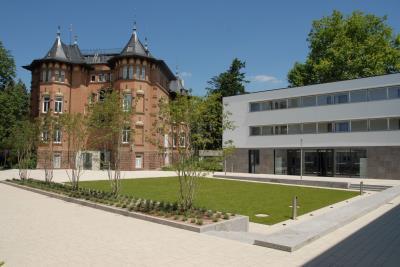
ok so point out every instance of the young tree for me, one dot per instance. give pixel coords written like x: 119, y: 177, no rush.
x: 181, y: 128
x: 24, y: 137
x: 342, y: 48
x: 109, y: 123
x: 74, y: 125
x: 47, y: 125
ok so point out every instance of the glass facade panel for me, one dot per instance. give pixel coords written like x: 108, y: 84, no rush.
x: 342, y: 126
x: 280, y: 162
x: 266, y: 105
x: 309, y: 128
x: 308, y: 101
x: 341, y: 98
x: 280, y: 129
x: 394, y: 124
x: 254, y: 107
x: 378, y: 125
x: 255, y: 130
x: 267, y: 130
x: 359, y: 126
x: 325, y: 99
x: 325, y: 127
x: 376, y: 94
x: 294, y: 128
x: 358, y: 96
x: 322, y: 162
x: 394, y: 92
x: 294, y: 102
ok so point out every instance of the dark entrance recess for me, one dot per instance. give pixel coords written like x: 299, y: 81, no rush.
x: 319, y: 162
x: 254, y: 160
x: 293, y: 162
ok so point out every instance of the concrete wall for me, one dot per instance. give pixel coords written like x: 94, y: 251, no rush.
x: 238, y: 107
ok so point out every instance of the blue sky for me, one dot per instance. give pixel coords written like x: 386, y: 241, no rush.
x: 201, y: 37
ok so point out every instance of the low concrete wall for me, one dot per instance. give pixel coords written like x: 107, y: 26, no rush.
x: 237, y: 223
x: 343, y: 185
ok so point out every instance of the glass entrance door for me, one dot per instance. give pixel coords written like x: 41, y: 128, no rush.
x: 318, y: 162
x: 293, y: 162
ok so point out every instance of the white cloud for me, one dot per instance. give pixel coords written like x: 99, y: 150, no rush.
x: 185, y: 74
x: 265, y: 79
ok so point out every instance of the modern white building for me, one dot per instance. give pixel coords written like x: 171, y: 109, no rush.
x: 348, y: 128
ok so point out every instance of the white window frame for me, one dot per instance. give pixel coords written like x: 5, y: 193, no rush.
x: 143, y: 74
x: 62, y: 76
x: 46, y: 104
x: 58, y: 104
x: 127, y: 105
x: 130, y: 72
x: 125, y: 72
x: 57, y: 138
x: 126, y: 135
x: 45, y: 136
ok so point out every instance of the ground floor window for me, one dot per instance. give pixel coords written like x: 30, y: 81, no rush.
x: 87, y: 160
x: 321, y: 162
x: 139, y: 161
x: 254, y: 159
x: 57, y: 161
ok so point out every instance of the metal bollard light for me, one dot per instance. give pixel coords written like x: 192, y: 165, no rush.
x: 361, y: 187
x: 294, y: 208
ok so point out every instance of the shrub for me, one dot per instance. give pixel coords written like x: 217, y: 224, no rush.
x: 184, y: 218
x: 176, y: 217
x: 118, y: 205
x: 123, y: 206
x: 199, y: 222
x: 193, y: 220
x: 226, y: 216
x: 214, y: 219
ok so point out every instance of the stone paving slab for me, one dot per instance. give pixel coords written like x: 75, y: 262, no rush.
x: 297, y: 236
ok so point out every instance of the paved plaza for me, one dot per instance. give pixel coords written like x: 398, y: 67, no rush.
x: 36, y: 230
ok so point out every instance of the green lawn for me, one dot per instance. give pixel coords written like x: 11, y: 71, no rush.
x: 244, y: 198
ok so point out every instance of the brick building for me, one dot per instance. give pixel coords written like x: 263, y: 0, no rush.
x: 67, y: 80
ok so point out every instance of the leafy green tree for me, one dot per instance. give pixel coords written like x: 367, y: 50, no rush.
x: 24, y: 137
x: 347, y: 47
x: 14, y: 107
x: 231, y: 82
x: 181, y: 130
x: 75, y: 126
x: 108, y: 120
x: 7, y: 67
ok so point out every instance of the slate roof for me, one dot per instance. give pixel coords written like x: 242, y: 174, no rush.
x: 135, y: 47
x: 63, y: 52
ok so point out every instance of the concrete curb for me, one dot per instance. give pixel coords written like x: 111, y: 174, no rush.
x: 297, y: 236
x: 341, y: 185
x: 238, y: 223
